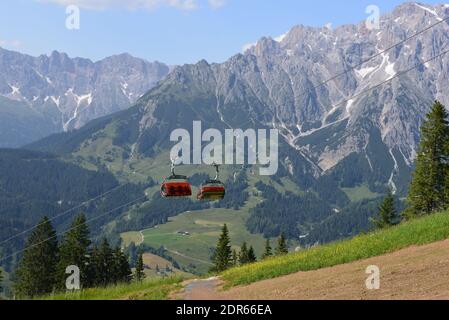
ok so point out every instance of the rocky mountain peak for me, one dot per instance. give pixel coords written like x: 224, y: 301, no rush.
x: 69, y: 92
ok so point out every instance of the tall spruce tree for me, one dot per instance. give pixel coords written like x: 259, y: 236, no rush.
x: 282, y: 245
x: 121, y: 271
x: 235, y: 258
x: 103, y: 264
x: 74, y: 250
x: 387, y: 213
x: 268, y: 250
x: 36, y: 274
x: 251, y: 255
x: 139, y: 273
x: 92, y: 273
x: 223, y: 254
x: 429, y: 188
x: 133, y: 254
x: 243, y: 256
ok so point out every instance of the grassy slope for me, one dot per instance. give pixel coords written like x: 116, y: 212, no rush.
x: 132, y: 236
x: 146, y: 290
x: 151, y: 263
x: 421, y: 231
x: 360, y: 193
x: 204, y: 228
x: 418, y: 232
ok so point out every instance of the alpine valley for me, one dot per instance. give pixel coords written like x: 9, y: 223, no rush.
x: 343, y: 143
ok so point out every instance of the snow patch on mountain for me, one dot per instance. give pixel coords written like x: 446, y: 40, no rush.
x: 369, y: 161
x: 15, y: 93
x: 56, y: 100
x: 349, y: 105
x: 389, y: 68
x: 431, y: 11
x: 66, y: 125
x: 406, y: 160
x: 87, y: 98
x: 281, y: 37
x: 15, y: 90
x: 125, y: 90
x: 362, y: 73
x: 391, y: 182
x: 79, y: 99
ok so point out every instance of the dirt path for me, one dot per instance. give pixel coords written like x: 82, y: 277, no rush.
x: 200, y: 289
x: 413, y: 273
x: 142, y: 237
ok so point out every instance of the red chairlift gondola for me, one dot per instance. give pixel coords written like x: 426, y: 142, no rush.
x: 212, y: 190
x: 175, y: 185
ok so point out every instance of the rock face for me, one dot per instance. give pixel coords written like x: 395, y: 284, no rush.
x: 277, y: 83
x: 68, y: 92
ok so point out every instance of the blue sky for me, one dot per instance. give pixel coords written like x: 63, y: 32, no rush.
x: 171, y: 31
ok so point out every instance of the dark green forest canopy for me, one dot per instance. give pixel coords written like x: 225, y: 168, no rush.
x: 35, y: 184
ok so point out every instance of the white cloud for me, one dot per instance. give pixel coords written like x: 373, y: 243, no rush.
x: 217, y: 3
x: 135, y: 4
x: 10, y: 43
x: 128, y: 4
x: 248, y: 46
x: 281, y: 37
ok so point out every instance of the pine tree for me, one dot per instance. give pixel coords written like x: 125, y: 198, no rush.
x: 103, y: 264
x: 133, y: 254
x: 446, y: 186
x: 387, y: 213
x: 282, y: 246
x: 268, y: 250
x: 235, y: 258
x: 243, y: 257
x: 222, y: 255
x: 1, y: 279
x: 36, y: 274
x: 139, y: 273
x: 74, y: 250
x: 429, y: 188
x: 251, y: 255
x: 121, y: 271
x: 92, y: 273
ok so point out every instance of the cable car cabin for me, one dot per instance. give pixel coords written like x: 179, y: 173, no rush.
x: 176, y: 186
x: 211, y: 190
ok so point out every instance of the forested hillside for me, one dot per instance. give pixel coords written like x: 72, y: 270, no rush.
x: 20, y: 124
x: 34, y: 184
